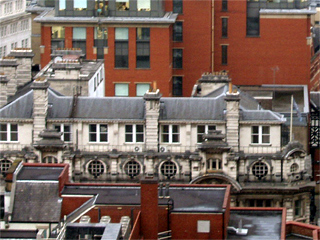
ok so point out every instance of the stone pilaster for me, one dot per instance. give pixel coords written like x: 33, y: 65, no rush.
x: 152, y: 109
x: 8, y: 68
x: 232, y: 118
x: 3, y: 90
x: 40, y: 107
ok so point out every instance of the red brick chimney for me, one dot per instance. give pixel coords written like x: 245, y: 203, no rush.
x: 149, y: 207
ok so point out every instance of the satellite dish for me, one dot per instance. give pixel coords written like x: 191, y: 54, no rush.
x: 57, y: 59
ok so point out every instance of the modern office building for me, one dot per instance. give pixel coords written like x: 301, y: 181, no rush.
x: 173, y: 42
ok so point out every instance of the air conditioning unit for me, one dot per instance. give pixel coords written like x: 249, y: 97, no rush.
x: 163, y: 149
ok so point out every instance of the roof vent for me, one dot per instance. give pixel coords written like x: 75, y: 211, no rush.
x: 125, y: 227
x: 105, y: 219
x: 238, y: 231
x: 85, y: 219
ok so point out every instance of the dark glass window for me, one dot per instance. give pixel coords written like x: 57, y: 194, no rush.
x: 57, y: 37
x: 177, y: 32
x: 177, y: 58
x: 224, y: 27
x: 177, y: 86
x: 224, y: 5
x: 224, y: 54
x: 253, y: 26
x: 79, y: 38
x: 177, y: 6
x: 143, y: 48
x: 121, y: 48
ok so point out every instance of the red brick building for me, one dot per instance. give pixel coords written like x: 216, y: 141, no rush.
x: 173, y: 42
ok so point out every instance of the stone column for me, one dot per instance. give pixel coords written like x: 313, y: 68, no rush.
x: 40, y: 107
x: 152, y: 109
x: 3, y: 90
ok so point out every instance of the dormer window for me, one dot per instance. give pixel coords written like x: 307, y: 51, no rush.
x: 80, y: 5
x: 260, y: 134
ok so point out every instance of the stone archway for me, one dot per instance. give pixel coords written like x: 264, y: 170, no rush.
x: 217, y: 178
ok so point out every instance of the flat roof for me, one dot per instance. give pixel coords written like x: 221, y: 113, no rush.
x: 40, y: 173
x: 262, y: 225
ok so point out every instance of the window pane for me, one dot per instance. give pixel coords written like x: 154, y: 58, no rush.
x: 62, y: 4
x: 93, y: 128
x: 177, y: 31
x: 140, y: 128
x: 255, y: 139
x: 129, y: 137
x: 80, y: 4
x: 143, y: 33
x: 177, y: 6
x: 224, y: 51
x: 139, y: 137
x: 14, y: 136
x: 122, y: 34
x: 177, y: 58
x: 128, y: 128
x: 103, y: 128
x: 144, y: 5
x: 79, y: 33
x: 92, y: 137
x: 265, y: 129
x: 103, y: 137
x: 165, y: 129
x: 14, y: 127
x: 177, y: 86
x: 266, y: 139
x: 142, y: 88
x: 255, y: 129
x: 175, y: 128
x: 121, y: 89
x: 224, y: 27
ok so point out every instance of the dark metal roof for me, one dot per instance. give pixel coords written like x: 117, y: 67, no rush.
x: 262, y: 225
x: 195, y: 199
x: 40, y: 173
x: 36, y: 201
x: 18, y: 234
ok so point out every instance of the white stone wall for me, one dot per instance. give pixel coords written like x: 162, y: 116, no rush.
x: 15, y: 29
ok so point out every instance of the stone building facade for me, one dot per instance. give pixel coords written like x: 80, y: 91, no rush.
x: 225, y: 138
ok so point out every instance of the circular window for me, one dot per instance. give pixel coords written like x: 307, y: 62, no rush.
x: 259, y: 169
x: 96, y: 168
x: 169, y: 169
x: 294, y: 168
x: 5, y: 165
x: 132, y: 168
x: 50, y: 159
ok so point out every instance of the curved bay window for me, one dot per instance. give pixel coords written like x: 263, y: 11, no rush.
x: 168, y: 169
x: 132, y: 168
x: 96, y: 168
x: 5, y: 165
x: 259, y: 169
x: 49, y: 159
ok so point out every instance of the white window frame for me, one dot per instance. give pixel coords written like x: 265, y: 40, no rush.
x: 206, y: 130
x: 50, y: 159
x: 260, y: 135
x: 170, y: 133
x: 134, y: 133
x: 62, y: 130
x: 98, y: 133
x: 8, y: 132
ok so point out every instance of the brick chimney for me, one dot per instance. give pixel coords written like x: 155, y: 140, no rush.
x: 233, y: 116
x: 152, y: 109
x: 40, y: 106
x: 149, y: 207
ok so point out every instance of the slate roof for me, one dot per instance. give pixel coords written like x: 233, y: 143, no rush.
x: 36, y: 201
x: 196, y: 199
x: 47, y: 173
x: 132, y: 108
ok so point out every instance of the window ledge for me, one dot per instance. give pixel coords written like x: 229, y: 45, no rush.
x: 99, y: 143
x: 260, y: 144
x: 257, y: 36
x: 143, y: 68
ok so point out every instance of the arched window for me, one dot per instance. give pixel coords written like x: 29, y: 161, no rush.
x: 168, y: 169
x: 132, y: 168
x: 294, y: 168
x: 214, y: 164
x: 260, y: 169
x: 5, y: 165
x: 50, y: 159
x: 96, y: 168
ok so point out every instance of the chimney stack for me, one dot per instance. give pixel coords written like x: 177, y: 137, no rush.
x: 149, y: 207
